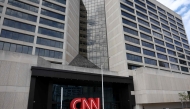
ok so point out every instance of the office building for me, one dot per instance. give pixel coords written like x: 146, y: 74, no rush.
x: 140, y: 45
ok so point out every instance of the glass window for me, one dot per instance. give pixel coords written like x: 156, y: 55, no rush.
x: 34, y: 1
x: 173, y: 26
x: 53, y: 6
x: 160, y: 49
x: 182, y: 62
x: 1, y: 45
x: 174, y: 31
x: 179, y: 49
x: 181, y: 30
x: 177, y: 43
x: 128, y: 2
x: 61, y: 1
x: 143, y: 22
x: 181, y: 55
x: 48, y: 42
x: 19, y: 25
x: 13, y: 47
x: 156, y: 28
x: 128, y: 15
x: 151, y: 4
x: 158, y: 41
x: 133, y: 48
x: 170, y: 15
x: 175, y: 67
x: 164, y: 21
x: 163, y: 64
x: 6, y: 46
x: 19, y: 48
x: 140, y: 9
x: 188, y: 57
x: 142, y: 15
x: 149, y: 53
x: 187, y: 52
x: 161, y: 56
x: 17, y: 36
x: 172, y: 21
x: 170, y: 46
x: 131, y: 31
x: 145, y: 29
x: 127, y: 22
x: 127, y: 8
x: 53, y: 14
x: 166, y: 33
x: 151, y: 9
x: 48, y: 53
x: 171, y: 52
x: 168, y: 39
x: 182, y: 35
x: 51, y: 23
x: 50, y: 32
x: 131, y: 39
x: 140, y: 3
x: 165, y: 27
x: 157, y: 35
x: 153, y: 15
x: 176, y: 37
x: 162, y: 15
x: 186, y: 46
x: 21, y: 15
x: 146, y: 44
x: 134, y: 57
x: 185, y: 69
x: 22, y: 5
x: 155, y: 22
x: 173, y: 59
x: 150, y: 61
x: 178, y: 20
x: 180, y: 25
x: 161, y: 10
x: 185, y: 41
x: 144, y: 36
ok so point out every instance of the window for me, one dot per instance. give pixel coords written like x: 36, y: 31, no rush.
x: 182, y: 35
x: 148, y: 52
x: 170, y: 15
x: 156, y: 28
x: 166, y: 33
x: 157, y: 34
x: 146, y: 44
x: 176, y: 37
x: 158, y: 41
x: 48, y: 42
x: 174, y: 67
x: 131, y: 31
x: 143, y: 22
x: 61, y: 1
x: 17, y: 36
x: 53, y: 6
x: 186, y: 46
x: 23, y: 5
x: 51, y: 23
x: 169, y: 45
x: 134, y: 57
x: 181, y: 55
x: 155, y: 22
x: 52, y: 14
x: 140, y: 3
x: 146, y: 37
x: 182, y: 62
x: 177, y: 43
x: 128, y: 15
x: 181, y: 30
x: 145, y: 29
x: 34, y: 1
x: 161, y: 10
x: 127, y: 8
x: 140, y: 9
x: 168, y: 39
x: 19, y: 25
x: 172, y: 21
x: 15, y: 48
x: 132, y: 67
x: 180, y: 25
x: 21, y: 15
x: 162, y: 15
x: 171, y: 52
x: 48, y: 53
x: 151, y: 9
x: 133, y: 48
x: 165, y: 27
x: 179, y: 49
x: 188, y: 57
x: 128, y: 2
x: 161, y: 56
x: 49, y: 32
x: 160, y: 49
x: 187, y: 52
x: 164, y: 21
x: 131, y: 39
x: 150, y: 61
x: 163, y: 64
x: 173, y: 59
x: 185, y: 41
x: 173, y: 26
x: 185, y: 69
x: 174, y: 31
x: 151, y: 4
x: 153, y: 15
x: 142, y: 15
x: 127, y: 22
x: 178, y: 20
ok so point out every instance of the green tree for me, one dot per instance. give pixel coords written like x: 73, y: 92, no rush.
x: 184, y: 97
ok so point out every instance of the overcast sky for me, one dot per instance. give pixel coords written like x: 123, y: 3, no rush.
x: 182, y: 7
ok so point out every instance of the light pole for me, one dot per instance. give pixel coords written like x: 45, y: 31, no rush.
x: 61, y: 97
x: 102, y: 86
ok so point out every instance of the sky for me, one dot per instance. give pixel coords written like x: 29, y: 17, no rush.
x: 182, y: 7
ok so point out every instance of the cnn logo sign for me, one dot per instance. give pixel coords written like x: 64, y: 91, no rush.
x: 91, y: 103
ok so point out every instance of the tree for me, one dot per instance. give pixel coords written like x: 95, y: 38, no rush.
x: 184, y: 97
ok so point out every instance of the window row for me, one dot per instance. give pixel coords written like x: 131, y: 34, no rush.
x: 49, y: 42
x: 48, y: 53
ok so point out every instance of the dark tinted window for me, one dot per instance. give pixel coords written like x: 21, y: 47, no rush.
x: 131, y: 31
x: 146, y: 44
x: 133, y: 48
x: 150, y: 61
x: 134, y: 57
x: 148, y: 52
x: 132, y: 39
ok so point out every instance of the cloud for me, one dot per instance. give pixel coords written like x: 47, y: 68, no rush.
x: 182, y: 10
x: 174, y: 4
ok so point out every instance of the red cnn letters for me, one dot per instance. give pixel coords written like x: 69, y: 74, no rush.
x: 91, y: 103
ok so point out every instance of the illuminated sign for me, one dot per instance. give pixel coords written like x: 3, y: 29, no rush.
x: 91, y: 103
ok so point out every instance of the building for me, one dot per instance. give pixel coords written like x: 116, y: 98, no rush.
x: 49, y: 44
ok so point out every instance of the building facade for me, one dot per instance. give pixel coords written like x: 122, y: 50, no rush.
x: 141, y: 44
